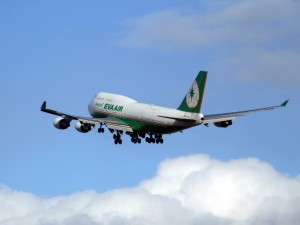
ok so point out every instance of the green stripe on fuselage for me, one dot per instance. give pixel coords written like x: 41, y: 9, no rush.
x: 140, y: 125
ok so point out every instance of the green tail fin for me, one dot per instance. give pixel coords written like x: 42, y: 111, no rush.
x: 193, y: 99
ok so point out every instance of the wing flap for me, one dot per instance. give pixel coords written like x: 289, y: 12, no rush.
x: 217, y: 119
x: 89, y: 121
x: 179, y: 119
x: 118, y: 127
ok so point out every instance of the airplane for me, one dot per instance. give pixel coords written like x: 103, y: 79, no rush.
x: 121, y: 114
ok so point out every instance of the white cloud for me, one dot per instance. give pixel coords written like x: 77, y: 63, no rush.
x: 245, y: 22
x: 186, y: 190
x: 233, y: 31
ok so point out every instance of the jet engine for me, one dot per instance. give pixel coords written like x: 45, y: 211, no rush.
x: 223, y: 123
x: 61, y: 123
x: 82, y: 127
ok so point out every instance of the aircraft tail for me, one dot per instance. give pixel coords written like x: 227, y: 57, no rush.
x: 193, y: 99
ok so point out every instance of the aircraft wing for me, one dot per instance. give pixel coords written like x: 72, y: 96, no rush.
x: 111, y: 123
x: 232, y: 115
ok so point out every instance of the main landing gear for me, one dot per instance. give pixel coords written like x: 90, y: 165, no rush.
x: 117, y: 138
x: 135, y: 138
x: 101, y: 129
x: 116, y: 134
x: 157, y: 139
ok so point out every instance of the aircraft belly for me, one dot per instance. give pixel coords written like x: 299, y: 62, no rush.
x: 152, y: 125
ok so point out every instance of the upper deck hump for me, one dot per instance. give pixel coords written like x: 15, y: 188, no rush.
x: 114, y: 98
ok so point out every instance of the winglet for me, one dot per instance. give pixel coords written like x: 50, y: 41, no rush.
x: 284, y: 103
x: 43, y: 106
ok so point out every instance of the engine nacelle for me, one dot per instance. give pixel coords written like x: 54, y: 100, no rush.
x: 82, y: 127
x: 61, y: 123
x: 223, y: 123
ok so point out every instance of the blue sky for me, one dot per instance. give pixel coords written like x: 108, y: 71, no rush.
x: 65, y: 52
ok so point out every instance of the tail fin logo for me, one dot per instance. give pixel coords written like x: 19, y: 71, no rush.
x: 192, y: 97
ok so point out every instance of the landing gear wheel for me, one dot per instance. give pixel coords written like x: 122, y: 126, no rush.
x: 116, y: 141
x: 120, y: 141
x: 100, y: 130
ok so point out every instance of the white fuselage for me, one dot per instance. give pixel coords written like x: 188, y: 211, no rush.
x: 140, y: 115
